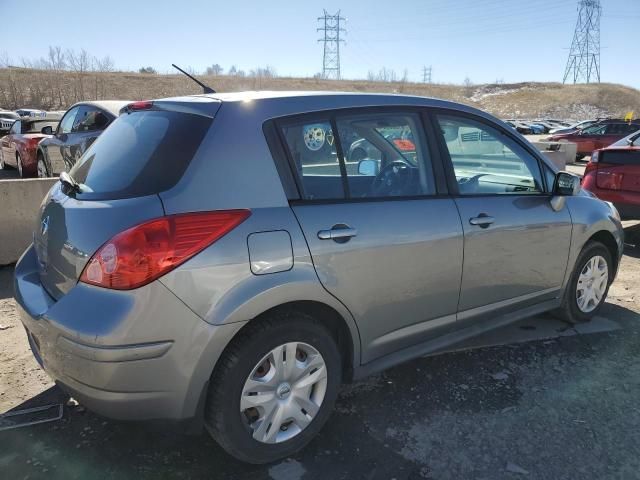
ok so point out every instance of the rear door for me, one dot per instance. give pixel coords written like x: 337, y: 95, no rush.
x: 515, y: 245
x: 382, y: 238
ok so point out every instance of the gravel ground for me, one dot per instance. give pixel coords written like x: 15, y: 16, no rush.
x: 536, y: 400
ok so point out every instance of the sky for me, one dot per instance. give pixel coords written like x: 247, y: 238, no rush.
x: 482, y: 40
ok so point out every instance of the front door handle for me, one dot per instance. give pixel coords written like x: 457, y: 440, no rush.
x: 338, y: 233
x: 483, y: 220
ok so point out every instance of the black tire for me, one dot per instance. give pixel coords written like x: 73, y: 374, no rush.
x: 19, y: 165
x: 42, y: 166
x: 569, y: 310
x: 223, y: 418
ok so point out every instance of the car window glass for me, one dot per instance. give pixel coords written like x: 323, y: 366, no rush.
x: 486, y: 161
x: 312, y: 146
x: 595, y: 130
x: 15, y: 128
x: 67, y: 121
x: 36, y: 127
x: 90, y: 119
x: 385, y: 155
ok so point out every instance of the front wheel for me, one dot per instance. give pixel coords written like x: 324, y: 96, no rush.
x: 19, y: 164
x: 589, y: 284
x: 274, y: 387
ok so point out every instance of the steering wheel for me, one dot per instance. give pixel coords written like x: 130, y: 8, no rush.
x: 393, y: 179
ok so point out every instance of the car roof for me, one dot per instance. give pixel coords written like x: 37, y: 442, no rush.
x: 291, y: 102
x: 112, y: 106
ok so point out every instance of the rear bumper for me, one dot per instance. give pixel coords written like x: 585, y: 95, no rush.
x: 134, y: 355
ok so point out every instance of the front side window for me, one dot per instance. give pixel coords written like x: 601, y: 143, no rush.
x: 595, y: 130
x: 15, y: 128
x: 485, y: 161
x: 66, y: 124
x: 372, y: 155
x: 90, y: 119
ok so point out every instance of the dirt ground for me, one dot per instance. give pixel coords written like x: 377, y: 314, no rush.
x: 535, y: 400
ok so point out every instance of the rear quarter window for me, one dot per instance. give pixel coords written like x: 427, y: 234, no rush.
x: 141, y: 153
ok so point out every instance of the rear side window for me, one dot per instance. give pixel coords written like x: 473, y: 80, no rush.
x: 141, y: 153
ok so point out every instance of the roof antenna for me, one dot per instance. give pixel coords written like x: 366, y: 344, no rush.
x: 205, y: 89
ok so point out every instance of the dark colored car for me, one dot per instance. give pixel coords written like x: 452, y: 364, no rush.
x: 597, y: 136
x: 613, y: 174
x: 78, y: 129
x: 18, y: 148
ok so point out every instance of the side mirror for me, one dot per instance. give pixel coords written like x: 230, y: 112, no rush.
x: 566, y: 184
x: 368, y: 167
x: 47, y: 130
x: 450, y: 132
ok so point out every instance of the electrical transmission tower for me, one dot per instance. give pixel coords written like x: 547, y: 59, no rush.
x: 426, y: 74
x: 583, y: 64
x: 331, y: 57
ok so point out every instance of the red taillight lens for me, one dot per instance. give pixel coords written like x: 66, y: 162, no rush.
x: 140, y: 105
x: 147, y: 251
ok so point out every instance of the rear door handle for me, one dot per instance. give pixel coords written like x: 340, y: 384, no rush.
x: 483, y: 220
x: 340, y: 233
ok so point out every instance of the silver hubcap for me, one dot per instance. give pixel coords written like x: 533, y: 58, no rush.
x: 42, y: 170
x: 592, y: 283
x: 284, y: 392
x: 19, y: 162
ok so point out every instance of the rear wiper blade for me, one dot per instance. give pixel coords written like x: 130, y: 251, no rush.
x: 68, y: 181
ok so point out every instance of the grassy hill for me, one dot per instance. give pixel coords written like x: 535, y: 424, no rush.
x: 20, y: 87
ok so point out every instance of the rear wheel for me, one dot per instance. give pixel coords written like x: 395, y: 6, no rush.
x: 589, y: 284
x: 19, y: 164
x: 42, y: 168
x: 3, y: 166
x: 274, y: 388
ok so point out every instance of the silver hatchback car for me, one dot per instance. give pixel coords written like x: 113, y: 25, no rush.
x: 217, y: 258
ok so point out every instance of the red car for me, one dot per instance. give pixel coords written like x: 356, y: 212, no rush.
x: 597, y: 136
x: 18, y: 148
x: 613, y: 174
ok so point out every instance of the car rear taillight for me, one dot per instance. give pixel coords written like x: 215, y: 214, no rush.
x: 139, y: 105
x: 147, y: 251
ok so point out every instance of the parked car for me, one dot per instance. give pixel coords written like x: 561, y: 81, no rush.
x: 78, y: 129
x: 519, y: 127
x: 613, y: 174
x: 6, y: 121
x: 597, y: 136
x: 18, y: 148
x: 192, y: 267
x: 30, y: 112
x: 536, y: 129
x: 572, y: 128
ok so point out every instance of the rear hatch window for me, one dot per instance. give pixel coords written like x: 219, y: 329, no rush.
x: 141, y: 153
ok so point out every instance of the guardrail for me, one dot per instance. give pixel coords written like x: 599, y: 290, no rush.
x: 19, y: 203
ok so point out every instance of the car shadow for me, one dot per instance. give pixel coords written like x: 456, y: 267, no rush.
x: 6, y: 282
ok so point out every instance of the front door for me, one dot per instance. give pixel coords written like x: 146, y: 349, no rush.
x: 56, y: 148
x: 382, y: 241
x: 515, y: 245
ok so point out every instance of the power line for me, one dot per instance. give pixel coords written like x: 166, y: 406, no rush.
x: 331, y: 52
x: 426, y: 74
x: 583, y: 64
